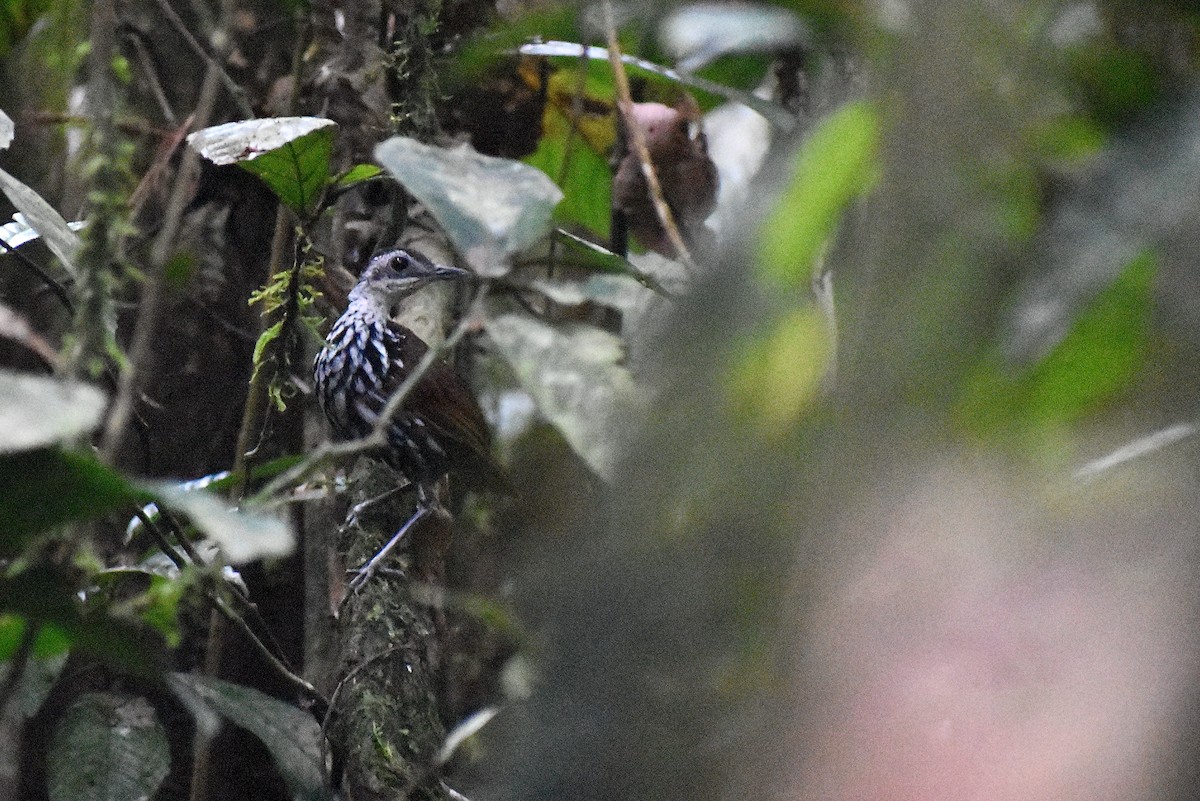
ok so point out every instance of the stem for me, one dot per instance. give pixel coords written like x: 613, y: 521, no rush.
x: 637, y: 138
x: 256, y: 395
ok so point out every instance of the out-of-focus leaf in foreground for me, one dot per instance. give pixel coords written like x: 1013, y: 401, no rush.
x: 242, y: 535
x: 576, y: 376
x: 36, y: 411
x: 1098, y: 358
x: 50, y: 599
x: 48, y: 487
x: 290, y: 154
x: 290, y: 734
x: 108, y: 747
x: 837, y: 163
x: 1132, y: 196
x: 778, y: 375
x: 490, y: 208
x: 697, y: 34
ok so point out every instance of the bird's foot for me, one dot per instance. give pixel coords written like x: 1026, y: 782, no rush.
x: 364, y: 573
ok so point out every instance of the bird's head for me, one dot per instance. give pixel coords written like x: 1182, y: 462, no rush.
x: 393, y: 275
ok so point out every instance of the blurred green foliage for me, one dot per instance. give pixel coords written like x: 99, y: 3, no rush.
x: 1098, y: 358
x: 836, y: 164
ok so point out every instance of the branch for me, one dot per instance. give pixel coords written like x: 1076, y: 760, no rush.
x: 637, y: 138
x: 231, y: 86
x: 55, y: 286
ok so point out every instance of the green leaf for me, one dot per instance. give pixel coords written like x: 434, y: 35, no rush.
x: 49, y: 641
x: 155, y: 595
x: 576, y: 375
x: 242, y: 535
x: 46, y: 488
x: 290, y: 734
x: 1098, y: 358
x: 357, y: 174
x: 290, y: 154
x: 41, y: 670
x: 52, y: 599
x: 107, y: 747
x: 490, y: 208
x: 36, y: 411
x: 581, y: 173
x: 777, y: 376
x: 269, y: 335
x: 837, y: 163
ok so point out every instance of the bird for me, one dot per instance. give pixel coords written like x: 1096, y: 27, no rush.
x: 367, y: 355
x: 686, y: 174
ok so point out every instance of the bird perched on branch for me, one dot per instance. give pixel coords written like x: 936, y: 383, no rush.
x: 686, y: 174
x: 439, y: 429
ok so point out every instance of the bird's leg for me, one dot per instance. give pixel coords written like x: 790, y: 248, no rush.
x: 366, y: 571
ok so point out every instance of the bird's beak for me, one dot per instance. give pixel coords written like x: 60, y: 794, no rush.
x: 450, y: 273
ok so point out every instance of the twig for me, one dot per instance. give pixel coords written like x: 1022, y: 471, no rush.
x: 160, y: 539
x: 152, y: 291
x: 427, y: 361
x: 54, y: 286
x: 637, y: 138
x: 298, y: 683
x: 256, y: 394
x: 378, y: 436
x: 272, y: 653
x: 231, y: 86
x: 156, y: 88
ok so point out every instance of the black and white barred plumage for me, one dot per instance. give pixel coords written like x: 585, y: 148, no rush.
x: 366, y: 357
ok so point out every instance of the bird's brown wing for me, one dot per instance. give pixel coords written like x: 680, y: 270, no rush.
x: 448, y: 408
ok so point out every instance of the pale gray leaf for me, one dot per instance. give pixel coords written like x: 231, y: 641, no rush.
x: 7, y: 130
x: 777, y: 115
x: 242, y: 535
x: 36, y: 411
x: 671, y: 275
x: 490, y: 208
x: 62, y: 241
x: 290, y: 734
x: 108, y: 747
x: 620, y: 292
x: 576, y: 376
x: 18, y: 231
x: 700, y: 33
x: 249, y: 139
x: 36, y: 681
